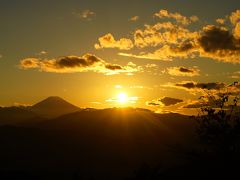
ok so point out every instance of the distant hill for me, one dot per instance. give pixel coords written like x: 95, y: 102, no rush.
x: 53, y: 107
x: 16, y: 115
x: 108, y: 143
x: 119, y: 122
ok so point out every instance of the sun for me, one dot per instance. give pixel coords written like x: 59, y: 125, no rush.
x: 122, y: 98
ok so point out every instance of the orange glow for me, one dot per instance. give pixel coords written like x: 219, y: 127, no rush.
x: 122, y: 98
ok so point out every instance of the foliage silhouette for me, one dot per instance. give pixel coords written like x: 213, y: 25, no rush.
x: 219, y: 120
x: 218, y: 128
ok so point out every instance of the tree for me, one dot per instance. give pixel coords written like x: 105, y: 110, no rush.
x: 219, y: 119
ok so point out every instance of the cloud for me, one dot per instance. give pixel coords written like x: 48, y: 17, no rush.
x: 166, y: 101
x: 195, y: 87
x: 30, y: 63
x: 235, y: 75
x: 108, y: 41
x: 176, y: 16
x: 203, y: 88
x: 42, y: 53
x: 154, y: 103
x: 212, y: 41
x: 235, y: 20
x: 196, y: 105
x: 134, y: 18
x: 219, y: 43
x: 151, y: 65
x: 171, y: 38
x: 21, y: 104
x: 132, y: 100
x: 168, y: 40
x: 165, y: 53
x: 71, y: 64
x: 235, y: 17
x: 220, y: 21
x: 85, y: 14
x: 183, y: 71
x: 162, y: 34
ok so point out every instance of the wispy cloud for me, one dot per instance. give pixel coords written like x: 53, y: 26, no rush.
x: 131, y: 100
x: 85, y: 14
x: 41, y: 53
x: 235, y: 75
x: 134, y: 18
x: 176, y: 16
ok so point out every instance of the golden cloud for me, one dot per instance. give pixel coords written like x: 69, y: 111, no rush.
x: 171, y: 40
x: 220, y: 21
x: 108, y: 41
x: 134, y: 18
x: 177, y: 16
x: 235, y: 17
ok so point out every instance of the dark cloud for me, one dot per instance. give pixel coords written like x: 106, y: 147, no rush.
x: 183, y: 71
x: 76, y: 61
x: 210, y: 86
x: 70, y: 64
x: 216, y: 38
x: 113, y: 67
x: 153, y: 103
x: 184, y: 47
x: 168, y: 101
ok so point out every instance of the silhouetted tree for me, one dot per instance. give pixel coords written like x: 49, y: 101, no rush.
x: 219, y: 119
x: 218, y: 127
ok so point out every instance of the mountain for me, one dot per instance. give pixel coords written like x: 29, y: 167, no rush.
x: 15, y: 115
x: 53, y: 107
x: 107, y: 143
x: 127, y: 124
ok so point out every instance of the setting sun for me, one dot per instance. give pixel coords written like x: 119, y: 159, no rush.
x: 122, y: 98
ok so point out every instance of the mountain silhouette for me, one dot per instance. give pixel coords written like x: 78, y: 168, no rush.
x: 15, y: 115
x: 107, y: 143
x: 53, y: 107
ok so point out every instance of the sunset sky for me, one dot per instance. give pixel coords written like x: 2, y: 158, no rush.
x: 155, y: 54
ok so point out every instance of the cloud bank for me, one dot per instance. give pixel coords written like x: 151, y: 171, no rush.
x: 173, y: 37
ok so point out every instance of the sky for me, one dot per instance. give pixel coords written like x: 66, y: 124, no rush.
x: 155, y: 54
